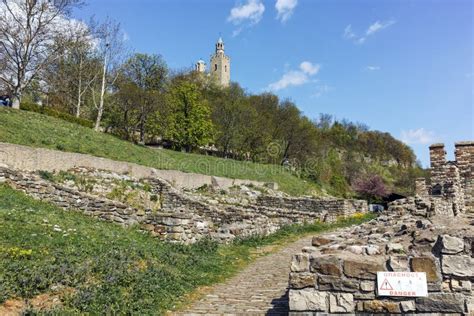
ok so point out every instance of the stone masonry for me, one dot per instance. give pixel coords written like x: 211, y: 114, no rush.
x: 432, y: 233
x: 180, y: 217
x: 337, y: 273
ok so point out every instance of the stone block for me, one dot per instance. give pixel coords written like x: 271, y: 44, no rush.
x: 378, y: 306
x: 392, y: 248
x: 320, y: 241
x: 341, y: 303
x: 334, y: 283
x: 461, y: 285
x: 407, y: 306
x: 362, y: 269
x: 451, y: 245
x: 428, y: 265
x: 326, y: 265
x: 398, y: 263
x: 460, y: 266
x: 441, y: 302
x: 299, y: 280
x: 308, y: 300
x: 367, y: 286
x: 300, y: 263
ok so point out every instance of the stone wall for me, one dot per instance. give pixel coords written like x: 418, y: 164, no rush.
x: 338, y: 272
x: 34, y: 159
x: 451, y: 182
x: 464, y: 154
x: 180, y: 217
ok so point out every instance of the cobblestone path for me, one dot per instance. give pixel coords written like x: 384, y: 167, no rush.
x: 259, y: 289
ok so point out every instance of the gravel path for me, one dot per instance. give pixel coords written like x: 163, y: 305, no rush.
x: 259, y: 289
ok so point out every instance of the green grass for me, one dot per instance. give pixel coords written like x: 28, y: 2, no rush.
x: 111, y: 269
x: 37, y: 130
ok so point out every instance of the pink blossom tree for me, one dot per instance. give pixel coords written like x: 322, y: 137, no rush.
x: 371, y: 187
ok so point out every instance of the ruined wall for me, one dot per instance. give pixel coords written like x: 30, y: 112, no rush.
x: 338, y: 272
x: 464, y: 154
x: 179, y: 217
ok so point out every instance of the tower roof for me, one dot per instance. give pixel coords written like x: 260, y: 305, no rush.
x: 220, y: 41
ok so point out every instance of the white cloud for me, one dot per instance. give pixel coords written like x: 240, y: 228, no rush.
x: 309, y: 68
x: 348, y: 33
x: 418, y: 136
x: 378, y: 26
x: 296, y: 77
x: 285, y: 9
x: 375, y: 27
x: 372, y: 68
x: 251, y: 12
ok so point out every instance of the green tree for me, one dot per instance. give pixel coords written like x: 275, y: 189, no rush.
x: 190, y: 121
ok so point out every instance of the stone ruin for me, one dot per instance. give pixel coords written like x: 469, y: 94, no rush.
x: 173, y: 214
x: 451, y: 186
x: 432, y: 232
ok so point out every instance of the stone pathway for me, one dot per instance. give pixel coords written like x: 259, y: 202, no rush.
x: 260, y: 289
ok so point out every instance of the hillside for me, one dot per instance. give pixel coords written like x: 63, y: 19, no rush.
x: 48, y: 255
x: 37, y: 130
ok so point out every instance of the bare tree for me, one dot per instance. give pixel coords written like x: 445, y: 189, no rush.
x: 28, y: 29
x: 111, y: 49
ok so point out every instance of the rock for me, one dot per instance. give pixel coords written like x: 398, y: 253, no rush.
x: 367, y: 286
x: 308, y: 300
x: 309, y: 249
x: 301, y: 280
x: 320, y: 241
x: 358, y: 250
x: 372, y: 250
x: 326, y: 265
x: 451, y: 245
x: 334, y: 283
x: 441, y: 302
x: 362, y: 270
x: 341, y: 303
x: 377, y: 306
x: 300, y: 263
x: 428, y: 265
x: 408, y: 306
x: 394, y: 248
x: 398, y: 263
x: 461, y: 266
x: 461, y: 285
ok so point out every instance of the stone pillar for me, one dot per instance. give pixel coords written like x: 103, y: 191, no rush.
x: 452, y: 188
x: 465, y: 161
x: 420, y: 188
x: 438, y: 161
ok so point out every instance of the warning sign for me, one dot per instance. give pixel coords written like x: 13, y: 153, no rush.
x: 402, y: 284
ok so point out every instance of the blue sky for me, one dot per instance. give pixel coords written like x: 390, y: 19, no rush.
x: 403, y: 66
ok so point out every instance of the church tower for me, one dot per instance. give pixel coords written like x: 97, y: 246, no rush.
x: 220, y: 65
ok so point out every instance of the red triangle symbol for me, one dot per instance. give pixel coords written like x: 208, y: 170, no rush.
x: 386, y: 286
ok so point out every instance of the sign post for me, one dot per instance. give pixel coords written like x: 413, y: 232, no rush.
x: 405, y: 284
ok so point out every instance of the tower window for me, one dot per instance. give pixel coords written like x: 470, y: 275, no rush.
x: 225, y: 68
x: 215, y: 67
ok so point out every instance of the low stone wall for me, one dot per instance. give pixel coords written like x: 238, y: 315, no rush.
x: 34, y: 159
x: 333, y: 207
x: 337, y: 273
x: 178, y: 217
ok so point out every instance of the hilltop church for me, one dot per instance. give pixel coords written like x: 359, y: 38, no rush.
x: 219, y: 68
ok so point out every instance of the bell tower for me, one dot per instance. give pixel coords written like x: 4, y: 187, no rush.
x: 220, y: 65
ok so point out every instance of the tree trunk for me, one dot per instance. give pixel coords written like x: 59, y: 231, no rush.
x: 100, y: 111
x: 79, y: 91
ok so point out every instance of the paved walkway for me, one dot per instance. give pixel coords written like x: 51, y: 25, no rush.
x: 260, y: 289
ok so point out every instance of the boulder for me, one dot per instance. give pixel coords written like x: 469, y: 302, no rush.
x: 326, y: 265
x: 300, y: 263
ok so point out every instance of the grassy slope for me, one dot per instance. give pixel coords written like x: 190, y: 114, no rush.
x: 111, y: 268
x: 36, y: 130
